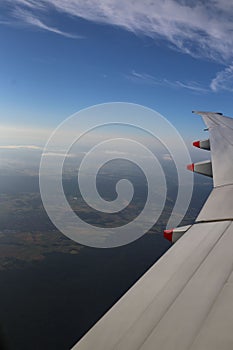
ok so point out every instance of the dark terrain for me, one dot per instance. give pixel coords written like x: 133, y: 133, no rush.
x: 52, y: 289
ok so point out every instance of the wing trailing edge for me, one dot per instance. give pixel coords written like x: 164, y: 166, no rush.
x: 185, y: 300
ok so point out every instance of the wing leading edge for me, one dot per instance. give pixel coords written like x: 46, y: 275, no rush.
x: 185, y: 300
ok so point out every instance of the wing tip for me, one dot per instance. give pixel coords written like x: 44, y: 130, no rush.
x: 205, y: 113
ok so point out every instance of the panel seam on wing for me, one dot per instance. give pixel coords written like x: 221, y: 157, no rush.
x: 175, y: 297
x: 211, y: 307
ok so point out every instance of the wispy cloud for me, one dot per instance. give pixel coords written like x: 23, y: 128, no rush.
x: 38, y: 23
x: 58, y: 154
x: 144, y: 78
x: 119, y: 153
x: 31, y: 4
x: 198, y: 28
x: 30, y: 16
x: 202, y: 29
x: 223, y: 80
x: 167, y: 157
x: 190, y: 85
x: 29, y: 147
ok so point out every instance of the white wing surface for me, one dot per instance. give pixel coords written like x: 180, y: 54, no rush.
x: 185, y: 300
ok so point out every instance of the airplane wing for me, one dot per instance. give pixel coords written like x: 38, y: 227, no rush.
x: 185, y: 300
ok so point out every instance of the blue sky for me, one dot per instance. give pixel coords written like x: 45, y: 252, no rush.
x: 59, y: 56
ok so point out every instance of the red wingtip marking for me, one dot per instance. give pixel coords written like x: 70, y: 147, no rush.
x: 168, y: 234
x: 190, y: 167
x: 196, y: 144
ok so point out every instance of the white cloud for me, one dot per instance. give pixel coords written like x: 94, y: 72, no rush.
x: 29, y: 147
x: 223, y: 80
x: 143, y: 78
x: 30, y: 18
x: 199, y: 28
x: 191, y: 85
x: 23, y: 135
x: 36, y: 22
x: 118, y: 153
x: 167, y: 157
x: 58, y: 154
x: 30, y: 3
x: 148, y: 79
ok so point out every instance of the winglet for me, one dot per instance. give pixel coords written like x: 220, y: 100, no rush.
x: 220, y: 128
x: 203, y: 113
